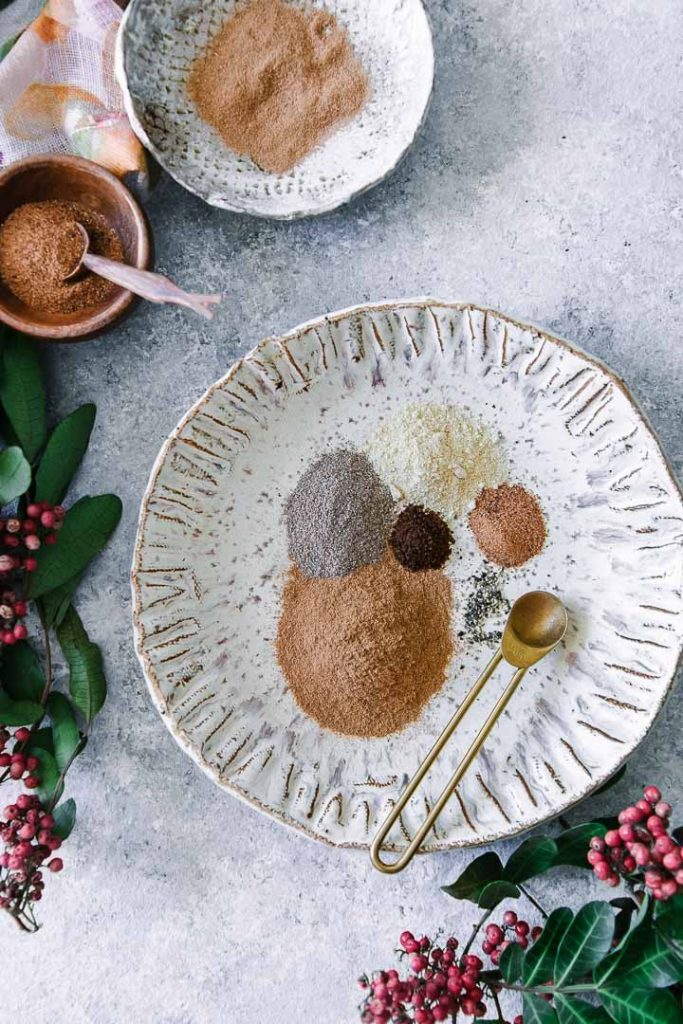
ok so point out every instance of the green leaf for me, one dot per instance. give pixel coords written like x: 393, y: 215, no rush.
x: 587, y: 940
x: 612, y: 781
x: 22, y: 393
x: 628, y: 1005
x: 511, y: 962
x: 540, y: 958
x: 65, y: 818
x: 533, y: 857
x: 476, y: 876
x: 51, y: 785
x: 669, y: 918
x: 646, y: 960
x: 18, y: 712
x: 88, y: 525
x: 63, y: 454
x: 87, y: 683
x: 571, y: 1010
x: 495, y: 892
x: 15, y: 475
x: 66, y: 737
x: 43, y: 738
x: 55, y: 604
x: 572, y: 845
x: 21, y: 672
x: 537, y: 1011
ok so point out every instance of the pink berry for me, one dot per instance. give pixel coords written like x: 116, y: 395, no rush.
x: 653, y: 879
x: 33, y: 511
x: 56, y: 864
x: 522, y: 928
x: 20, y: 609
x: 644, y: 807
x: 487, y: 947
x: 627, y: 834
x: 672, y: 861
x: 404, y: 937
x: 494, y: 934
x: 663, y: 809
x: 30, y: 564
x: 16, y: 770
x: 27, y: 831
x: 602, y: 870
x: 31, y: 782
x: 679, y: 877
x: 8, y: 637
x: 652, y: 794
x: 411, y: 946
x: 641, y: 854
x: 664, y: 844
x: 46, y: 821
x: 13, y: 525
x: 594, y: 857
x: 24, y: 801
x: 418, y: 962
x: 5, y: 760
x: 536, y: 932
x: 48, y: 520
x: 668, y: 888
x: 11, y: 812
x: 21, y: 735
x: 20, y: 631
x: 629, y: 864
x: 655, y: 825
x: 597, y: 844
x: 612, y: 838
x: 510, y: 918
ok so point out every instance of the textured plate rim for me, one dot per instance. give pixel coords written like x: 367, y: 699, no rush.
x: 439, y: 846
x: 213, y: 200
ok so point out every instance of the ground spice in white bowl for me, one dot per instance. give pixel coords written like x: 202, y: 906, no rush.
x: 276, y: 80
x: 508, y: 525
x: 362, y: 654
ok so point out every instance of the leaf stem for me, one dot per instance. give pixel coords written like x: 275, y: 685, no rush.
x: 499, y: 1009
x: 533, y: 900
x: 475, y: 931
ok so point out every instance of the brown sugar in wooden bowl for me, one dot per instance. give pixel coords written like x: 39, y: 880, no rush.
x: 73, y: 179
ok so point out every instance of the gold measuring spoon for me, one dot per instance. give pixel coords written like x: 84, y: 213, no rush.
x: 154, y: 287
x: 536, y: 624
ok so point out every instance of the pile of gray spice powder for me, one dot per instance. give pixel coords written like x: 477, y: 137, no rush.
x: 338, y: 516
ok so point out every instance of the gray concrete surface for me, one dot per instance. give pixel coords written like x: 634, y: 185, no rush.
x: 548, y: 182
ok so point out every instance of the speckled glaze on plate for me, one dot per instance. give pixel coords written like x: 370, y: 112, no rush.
x: 211, y: 554
x: 158, y: 41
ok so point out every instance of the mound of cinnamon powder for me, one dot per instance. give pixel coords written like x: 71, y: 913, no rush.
x: 363, y: 653
x: 276, y: 80
x: 508, y: 525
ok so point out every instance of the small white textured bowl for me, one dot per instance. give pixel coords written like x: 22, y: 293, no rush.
x: 159, y: 40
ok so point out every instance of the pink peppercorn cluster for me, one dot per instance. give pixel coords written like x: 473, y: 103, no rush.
x: 641, y: 843
x: 512, y: 929
x: 440, y: 984
x: 20, y: 539
x: 29, y: 840
x: 17, y: 765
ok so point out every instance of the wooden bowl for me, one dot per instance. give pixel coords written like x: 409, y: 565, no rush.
x: 54, y: 176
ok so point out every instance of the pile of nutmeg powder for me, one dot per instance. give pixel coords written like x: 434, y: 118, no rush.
x: 276, y: 80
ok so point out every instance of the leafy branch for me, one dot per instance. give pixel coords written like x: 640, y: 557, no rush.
x: 44, y: 552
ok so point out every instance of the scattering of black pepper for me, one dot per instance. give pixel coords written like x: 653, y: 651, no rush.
x: 420, y: 539
x: 486, y: 600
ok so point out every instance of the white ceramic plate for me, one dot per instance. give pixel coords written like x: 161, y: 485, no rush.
x: 211, y: 555
x: 157, y: 43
